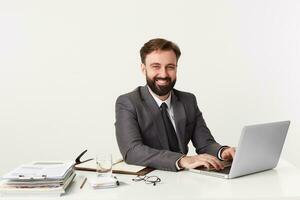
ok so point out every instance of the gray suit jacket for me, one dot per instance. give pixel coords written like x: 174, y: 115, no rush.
x: 141, y: 134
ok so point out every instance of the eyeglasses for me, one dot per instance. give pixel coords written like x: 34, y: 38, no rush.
x: 148, y: 179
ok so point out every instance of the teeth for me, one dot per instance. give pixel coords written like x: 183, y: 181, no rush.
x: 162, y: 82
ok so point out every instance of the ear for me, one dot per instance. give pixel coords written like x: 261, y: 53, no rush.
x: 143, y: 68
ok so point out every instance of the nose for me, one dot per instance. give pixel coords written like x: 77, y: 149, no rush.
x: 163, y: 73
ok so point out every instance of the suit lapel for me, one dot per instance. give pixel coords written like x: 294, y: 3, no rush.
x: 180, y: 120
x: 156, y: 116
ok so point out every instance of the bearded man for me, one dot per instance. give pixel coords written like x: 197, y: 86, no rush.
x: 155, y: 122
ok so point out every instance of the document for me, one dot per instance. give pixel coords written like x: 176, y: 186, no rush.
x: 38, y: 178
x: 40, y: 170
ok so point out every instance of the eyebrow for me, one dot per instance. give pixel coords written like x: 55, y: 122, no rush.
x: 154, y: 64
x: 172, y: 64
x: 160, y: 64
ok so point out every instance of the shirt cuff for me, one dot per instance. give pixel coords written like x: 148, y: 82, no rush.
x: 177, y: 165
x: 220, y: 151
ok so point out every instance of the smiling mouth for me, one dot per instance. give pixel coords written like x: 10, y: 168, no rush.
x: 162, y: 82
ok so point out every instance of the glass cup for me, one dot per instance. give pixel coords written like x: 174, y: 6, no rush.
x: 104, y: 165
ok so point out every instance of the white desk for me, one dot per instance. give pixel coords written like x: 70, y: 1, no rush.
x: 280, y: 183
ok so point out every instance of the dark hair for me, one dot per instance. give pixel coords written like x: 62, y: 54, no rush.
x: 158, y: 44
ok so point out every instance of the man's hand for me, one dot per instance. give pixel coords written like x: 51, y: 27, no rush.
x: 204, y: 160
x: 228, y: 153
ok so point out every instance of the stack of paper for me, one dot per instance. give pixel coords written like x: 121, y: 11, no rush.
x: 47, y: 178
x: 104, y: 182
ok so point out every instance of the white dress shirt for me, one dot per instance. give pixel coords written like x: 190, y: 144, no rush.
x: 171, y: 116
x: 168, y: 102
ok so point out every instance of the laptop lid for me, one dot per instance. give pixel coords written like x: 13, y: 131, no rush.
x: 259, y: 148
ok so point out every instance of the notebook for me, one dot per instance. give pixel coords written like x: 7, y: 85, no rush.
x: 119, y: 167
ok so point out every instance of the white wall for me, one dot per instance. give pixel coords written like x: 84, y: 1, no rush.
x: 63, y: 64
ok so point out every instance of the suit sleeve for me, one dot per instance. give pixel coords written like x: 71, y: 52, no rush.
x: 130, y: 142
x: 202, y: 138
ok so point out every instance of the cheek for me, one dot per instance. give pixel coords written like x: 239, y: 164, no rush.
x: 173, y: 76
x: 151, y: 74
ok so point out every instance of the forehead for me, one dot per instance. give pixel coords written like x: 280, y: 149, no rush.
x: 161, y: 56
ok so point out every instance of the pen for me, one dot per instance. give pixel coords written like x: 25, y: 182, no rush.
x: 117, y: 161
x: 83, y: 182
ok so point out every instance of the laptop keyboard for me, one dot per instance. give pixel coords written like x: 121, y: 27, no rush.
x: 226, y: 170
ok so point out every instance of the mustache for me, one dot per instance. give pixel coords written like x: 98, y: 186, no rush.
x: 163, y: 79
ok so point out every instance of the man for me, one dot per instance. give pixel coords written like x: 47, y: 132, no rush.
x: 155, y: 123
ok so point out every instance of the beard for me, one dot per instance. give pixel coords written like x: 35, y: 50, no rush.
x: 160, y: 90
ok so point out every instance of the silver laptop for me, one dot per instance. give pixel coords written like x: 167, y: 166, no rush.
x: 258, y: 150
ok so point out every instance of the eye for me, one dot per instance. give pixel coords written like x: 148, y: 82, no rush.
x: 155, y: 66
x: 171, y: 67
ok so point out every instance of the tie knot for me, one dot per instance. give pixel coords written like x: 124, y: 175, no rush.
x: 164, y: 106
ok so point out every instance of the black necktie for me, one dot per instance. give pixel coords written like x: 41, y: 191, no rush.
x: 172, y: 139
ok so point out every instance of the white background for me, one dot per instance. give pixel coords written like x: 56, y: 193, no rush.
x: 64, y: 63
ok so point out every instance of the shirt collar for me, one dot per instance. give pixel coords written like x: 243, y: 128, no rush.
x: 158, y: 101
